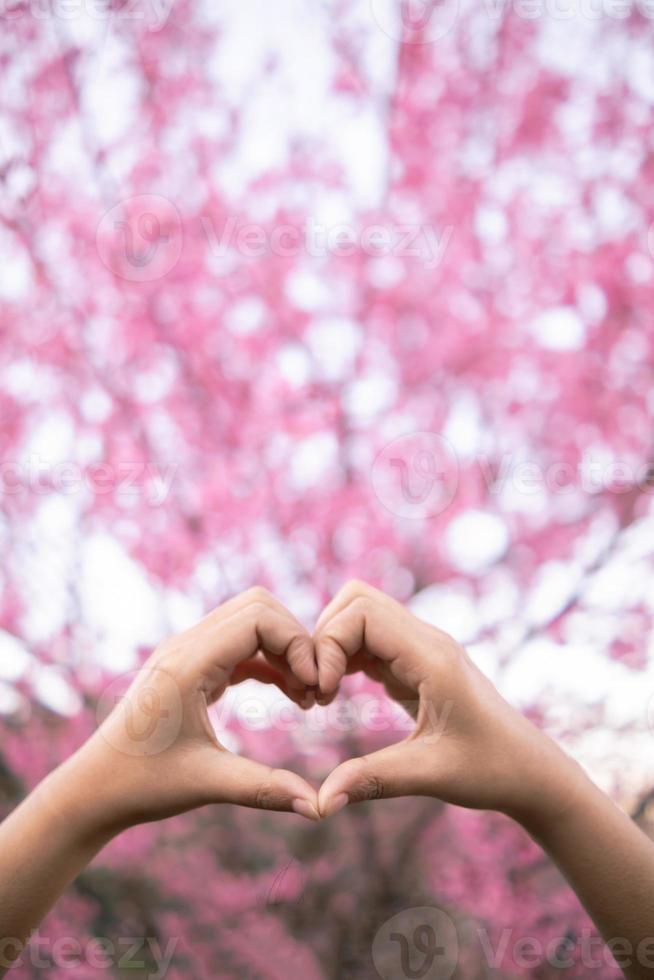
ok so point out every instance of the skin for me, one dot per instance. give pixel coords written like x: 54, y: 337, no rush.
x: 155, y: 755
x: 473, y: 749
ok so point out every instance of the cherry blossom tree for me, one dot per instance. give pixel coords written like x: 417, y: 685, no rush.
x: 295, y: 295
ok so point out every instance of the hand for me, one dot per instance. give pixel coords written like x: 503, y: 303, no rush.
x: 469, y: 746
x: 156, y: 754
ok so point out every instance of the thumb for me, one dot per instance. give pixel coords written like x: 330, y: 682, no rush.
x: 248, y: 783
x: 387, y: 773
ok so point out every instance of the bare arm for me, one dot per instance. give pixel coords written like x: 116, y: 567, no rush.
x: 44, y: 844
x: 609, y: 862
x: 473, y: 749
x: 155, y: 756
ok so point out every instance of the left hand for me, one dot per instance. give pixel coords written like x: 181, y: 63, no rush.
x: 156, y: 754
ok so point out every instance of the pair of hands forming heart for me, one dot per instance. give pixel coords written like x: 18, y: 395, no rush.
x: 156, y: 754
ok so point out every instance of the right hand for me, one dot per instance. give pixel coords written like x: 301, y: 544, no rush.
x: 469, y: 747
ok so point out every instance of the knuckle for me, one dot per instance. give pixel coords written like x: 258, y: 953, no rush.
x: 375, y: 788
x: 367, y: 785
x: 300, y: 645
x: 268, y: 796
x: 167, y: 646
x: 328, y: 649
x: 450, y: 653
x: 321, y: 634
x: 258, y: 609
x: 356, y: 587
x: 362, y: 604
x: 258, y: 594
x: 167, y: 653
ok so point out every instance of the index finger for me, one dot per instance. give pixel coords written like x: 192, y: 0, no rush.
x: 225, y: 643
x: 361, y: 618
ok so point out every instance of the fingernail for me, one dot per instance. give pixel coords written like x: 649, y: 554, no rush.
x: 305, y: 809
x: 337, y: 803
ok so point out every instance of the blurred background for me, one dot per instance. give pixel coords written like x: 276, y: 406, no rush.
x: 292, y: 293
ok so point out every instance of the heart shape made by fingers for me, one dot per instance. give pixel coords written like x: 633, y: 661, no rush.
x: 340, y: 648
x: 464, y: 730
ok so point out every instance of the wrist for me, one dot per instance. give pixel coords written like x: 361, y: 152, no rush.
x: 75, y: 799
x: 553, y: 794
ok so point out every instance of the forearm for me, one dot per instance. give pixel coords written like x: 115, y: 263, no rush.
x: 155, y: 756
x: 609, y: 862
x: 44, y: 844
